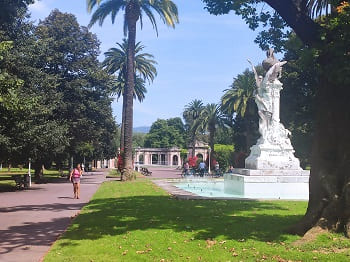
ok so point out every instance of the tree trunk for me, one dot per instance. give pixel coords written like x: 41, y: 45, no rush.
x: 38, y: 172
x: 131, y: 15
x: 122, y: 126
x: 211, y: 141
x: 295, y: 14
x: 329, y: 198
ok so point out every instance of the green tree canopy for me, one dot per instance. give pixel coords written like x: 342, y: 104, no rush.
x: 165, y: 134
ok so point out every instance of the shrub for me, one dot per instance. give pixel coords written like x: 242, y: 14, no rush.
x: 224, y: 155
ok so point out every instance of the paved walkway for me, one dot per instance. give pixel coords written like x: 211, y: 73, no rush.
x: 31, y: 220
x: 164, y: 172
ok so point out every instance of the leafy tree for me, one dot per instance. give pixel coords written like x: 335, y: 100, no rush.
x: 164, y: 134
x: 300, y: 78
x: 133, y: 12
x: 329, y: 36
x: 116, y: 61
x: 138, y: 140
x: 191, y: 114
x: 224, y: 155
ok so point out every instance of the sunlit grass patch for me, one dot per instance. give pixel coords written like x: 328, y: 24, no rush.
x: 138, y: 221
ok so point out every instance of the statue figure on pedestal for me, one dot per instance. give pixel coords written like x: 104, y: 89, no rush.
x: 274, y: 140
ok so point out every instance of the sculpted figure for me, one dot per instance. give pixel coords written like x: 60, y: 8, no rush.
x: 264, y: 95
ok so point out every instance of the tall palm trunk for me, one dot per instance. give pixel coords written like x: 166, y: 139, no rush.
x: 122, y: 135
x: 211, y: 141
x: 122, y: 126
x: 132, y: 15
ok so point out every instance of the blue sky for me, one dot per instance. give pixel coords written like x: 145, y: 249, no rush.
x: 196, y: 60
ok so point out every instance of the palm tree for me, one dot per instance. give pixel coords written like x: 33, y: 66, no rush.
x: 238, y: 101
x: 133, y: 11
x: 116, y: 61
x: 191, y: 113
x: 211, y: 118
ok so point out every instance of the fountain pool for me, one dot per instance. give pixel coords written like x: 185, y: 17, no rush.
x: 218, y: 188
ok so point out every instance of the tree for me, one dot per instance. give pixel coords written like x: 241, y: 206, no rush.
x: 191, y: 114
x: 133, y: 12
x: 83, y: 88
x: 211, y: 118
x: 116, y: 61
x: 329, y: 203
x: 300, y: 79
x: 165, y: 134
x: 238, y: 102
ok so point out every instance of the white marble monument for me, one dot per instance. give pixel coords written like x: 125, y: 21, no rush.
x: 271, y: 163
x: 273, y: 150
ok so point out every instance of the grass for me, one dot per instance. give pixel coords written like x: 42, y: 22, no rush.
x: 8, y: 184
x: 137, y: 221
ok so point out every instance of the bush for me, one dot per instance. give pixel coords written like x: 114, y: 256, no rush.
x: 224, y: 155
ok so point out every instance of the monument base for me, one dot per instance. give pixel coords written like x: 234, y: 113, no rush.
x: 272, y: 156
x: 275, y: 184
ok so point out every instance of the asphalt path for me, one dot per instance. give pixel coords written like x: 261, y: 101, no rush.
x: 31, y: 220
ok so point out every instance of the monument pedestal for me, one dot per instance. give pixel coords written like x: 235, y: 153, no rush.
x: 268, y: 186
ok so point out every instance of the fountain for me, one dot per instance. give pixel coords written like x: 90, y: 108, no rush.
x: 271, y: 165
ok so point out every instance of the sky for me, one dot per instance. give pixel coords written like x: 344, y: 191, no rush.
x: 196, y: 60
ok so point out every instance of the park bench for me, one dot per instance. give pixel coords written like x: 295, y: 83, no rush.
x: 21, y: 180
x: 145, y: 171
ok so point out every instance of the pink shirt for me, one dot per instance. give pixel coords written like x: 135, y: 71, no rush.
x: 76, y: 173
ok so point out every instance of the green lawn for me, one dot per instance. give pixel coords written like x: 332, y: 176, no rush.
x: 137, y: 221
x: 8, y: 184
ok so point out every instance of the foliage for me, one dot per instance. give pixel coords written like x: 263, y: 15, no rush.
x: 238, y: 103
x: 300, y: 78
x: 192, y: 161
x: 224, y: 155
x: 138, y: 140
x: 116, y: 226
x: 191, y: 114
x: 165, y: 134
x: 210, y: 119
x: 57, y: 92
x: 116, y: 60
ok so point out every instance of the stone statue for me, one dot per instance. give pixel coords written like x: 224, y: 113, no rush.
x: 274, y: 140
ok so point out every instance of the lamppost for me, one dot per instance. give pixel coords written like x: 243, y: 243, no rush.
x: 209, y: 150
x: 29, y: 173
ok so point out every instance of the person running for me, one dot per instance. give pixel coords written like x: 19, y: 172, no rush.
x: 75, y: 178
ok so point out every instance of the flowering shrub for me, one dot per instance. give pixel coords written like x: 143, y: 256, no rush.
x: 192, y: 161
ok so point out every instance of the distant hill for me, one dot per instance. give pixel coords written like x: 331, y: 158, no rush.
x: 141, y: 129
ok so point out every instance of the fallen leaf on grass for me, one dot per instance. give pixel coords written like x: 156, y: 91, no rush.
x: 210, y: 243
x: 222, y: 242
x: 169, y: 248
x: 125, y: 252
x: 234, y: 254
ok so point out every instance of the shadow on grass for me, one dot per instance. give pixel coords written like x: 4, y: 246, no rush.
x: 264, y: 221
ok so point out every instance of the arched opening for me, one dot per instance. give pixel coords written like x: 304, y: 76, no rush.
x: 175, y: 160
x: 155, y: 159
x: 141, y: 159
x: 200, y: 157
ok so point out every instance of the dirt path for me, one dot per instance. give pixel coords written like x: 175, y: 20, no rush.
x: 31, y: 220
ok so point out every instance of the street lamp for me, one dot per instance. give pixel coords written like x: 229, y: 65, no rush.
x: 209, y: 150
x: 29, y: 173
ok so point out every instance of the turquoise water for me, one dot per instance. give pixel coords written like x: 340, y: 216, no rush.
x: 217, y: 188
x: 209, y: 188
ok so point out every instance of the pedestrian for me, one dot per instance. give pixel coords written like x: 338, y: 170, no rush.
x: 75, y: 175
x: 201, y: 168
x: 186, y: 168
